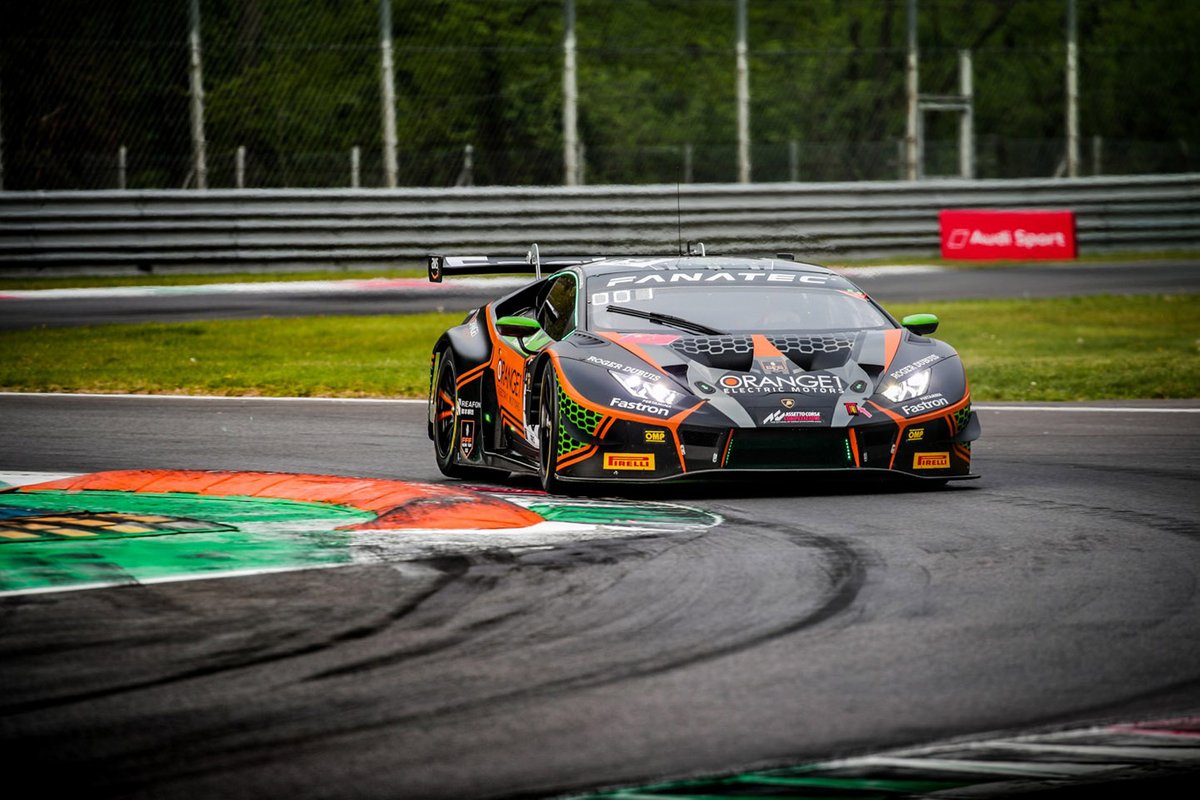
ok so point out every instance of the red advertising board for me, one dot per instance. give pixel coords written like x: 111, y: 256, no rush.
x: 1022, y: 235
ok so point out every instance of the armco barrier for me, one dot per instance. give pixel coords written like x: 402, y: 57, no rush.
x: 164, y: 230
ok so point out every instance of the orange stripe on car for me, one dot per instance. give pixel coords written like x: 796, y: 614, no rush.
x: 891, y: 343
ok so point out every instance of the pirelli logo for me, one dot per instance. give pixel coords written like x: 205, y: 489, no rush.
x: 931, y: 461
x: 656, y: 436
x: 642, y: 461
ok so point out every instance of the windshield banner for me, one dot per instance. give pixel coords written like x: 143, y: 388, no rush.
x: 1020, y: 235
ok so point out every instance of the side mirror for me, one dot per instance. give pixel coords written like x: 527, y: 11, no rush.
x: 920, y: 324
x: 517, y: 327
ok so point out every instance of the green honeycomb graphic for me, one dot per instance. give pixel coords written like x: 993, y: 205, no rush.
x: 583, y: 419
x: 961, y: 417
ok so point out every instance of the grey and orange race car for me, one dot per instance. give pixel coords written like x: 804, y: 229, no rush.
x: 664, y: 367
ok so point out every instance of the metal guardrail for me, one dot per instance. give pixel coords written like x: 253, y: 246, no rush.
x: 172, y: 230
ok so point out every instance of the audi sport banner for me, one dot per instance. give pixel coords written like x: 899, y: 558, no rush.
x: 1023, y: 235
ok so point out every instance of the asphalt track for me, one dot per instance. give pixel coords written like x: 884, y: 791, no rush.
x: 819, y: 619
x: 177, y: 304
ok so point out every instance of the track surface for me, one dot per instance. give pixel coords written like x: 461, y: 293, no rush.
x: 888, y: 285
x: 819, y: 620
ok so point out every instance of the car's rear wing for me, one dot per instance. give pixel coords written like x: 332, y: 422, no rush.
x: 442, y: 265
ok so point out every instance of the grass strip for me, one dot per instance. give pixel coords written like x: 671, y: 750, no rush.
x: 1080, y: 348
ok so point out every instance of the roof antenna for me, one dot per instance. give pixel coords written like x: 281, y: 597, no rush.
x: 535, y: 258
x: 679, y: 217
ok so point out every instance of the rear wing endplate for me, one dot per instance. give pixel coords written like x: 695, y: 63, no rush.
x: 442, y: 265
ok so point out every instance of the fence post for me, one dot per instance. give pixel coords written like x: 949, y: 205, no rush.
x: 355, y: 167
x: 743, y: 96
x: 240, y: 167
x: 911, y: 154
x: 199, y: 154
x: 687, y: 163
x: 1097, y: 158
x: 122, y: 156
x: 571, y: 167
x: 793, y: 161
x: 966, y: 118
x: 388, y: 80
x: 1, y: 144
x: 466, y: 176
x: 1072, y: 94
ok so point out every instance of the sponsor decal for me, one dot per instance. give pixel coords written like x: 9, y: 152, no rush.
x: 927, y: 403
x: 638, y: 461
x: 509, y: 380
x: 916, y: 365
x: 1008, y: 234
x: 638, y: 405
x: 655, y: 436
x: 775, y: 366
x: 617, y: 365
x: 787, y: 402
x: 854, y: 409
x: 467, y: 408
x: 789, y: 417
x: 473, y: 328
x: 719, y: 277
x: 931, y: 460
x: 765, y: 384
x: 916, y: 434
x: 466, y: 437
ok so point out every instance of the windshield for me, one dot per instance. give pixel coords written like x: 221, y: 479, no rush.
x: 738, y: 308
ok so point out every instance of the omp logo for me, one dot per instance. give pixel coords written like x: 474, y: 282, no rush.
x: 638, y: 461
x: 931, y: 461
x: 655, y: 436
x: 916, y: 434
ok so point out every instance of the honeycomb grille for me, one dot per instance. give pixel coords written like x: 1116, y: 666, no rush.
x: 713, y: 345
x: 790, y: 344
x: 583, y: 419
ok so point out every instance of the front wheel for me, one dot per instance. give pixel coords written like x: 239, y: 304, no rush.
x: 447, y: 427
x: 548, y: 434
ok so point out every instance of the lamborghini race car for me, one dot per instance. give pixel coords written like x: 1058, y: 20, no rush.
x: 665, y: 367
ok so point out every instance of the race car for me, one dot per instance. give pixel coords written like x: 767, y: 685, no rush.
x: 654, y: 368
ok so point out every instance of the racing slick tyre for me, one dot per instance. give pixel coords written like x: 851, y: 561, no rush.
x: 548, y: 435
x: 445, y: 424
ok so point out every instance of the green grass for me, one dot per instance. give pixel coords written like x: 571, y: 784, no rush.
x: 302, y: 357
x: 1075, y: 348
x: 1085, y: 348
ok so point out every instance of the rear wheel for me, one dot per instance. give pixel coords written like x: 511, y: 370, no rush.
x: 447, y: 431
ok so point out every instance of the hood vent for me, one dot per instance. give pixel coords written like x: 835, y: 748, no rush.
x: 810, y: 352
x: 735, y: 353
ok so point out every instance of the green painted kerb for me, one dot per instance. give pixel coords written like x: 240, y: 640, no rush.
x: 250, y: 534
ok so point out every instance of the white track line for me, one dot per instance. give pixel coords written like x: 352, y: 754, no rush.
x: 422, y: 401
x: 220, y: 397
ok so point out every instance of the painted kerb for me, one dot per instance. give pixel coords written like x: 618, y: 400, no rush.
x: 164, y: 229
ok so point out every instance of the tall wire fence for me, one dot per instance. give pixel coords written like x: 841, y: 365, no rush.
x: 94, y: 94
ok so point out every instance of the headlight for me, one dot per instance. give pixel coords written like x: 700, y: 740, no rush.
x: 651, y: 391
x: 914, y: 385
